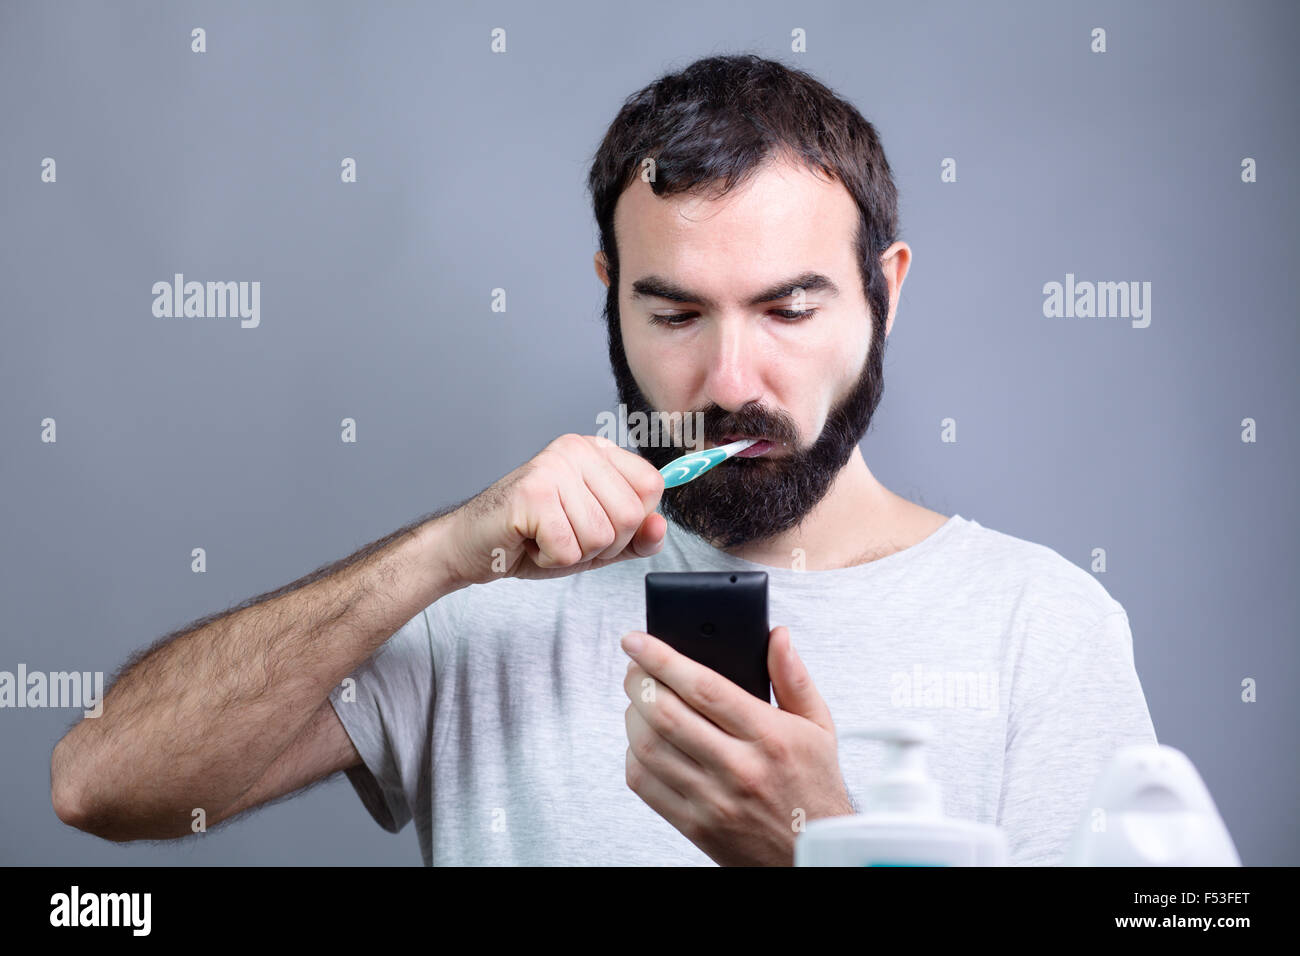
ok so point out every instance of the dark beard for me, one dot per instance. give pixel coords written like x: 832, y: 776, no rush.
x: 752, y: 499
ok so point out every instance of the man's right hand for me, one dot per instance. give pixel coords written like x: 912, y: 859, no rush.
x: 581, y: 503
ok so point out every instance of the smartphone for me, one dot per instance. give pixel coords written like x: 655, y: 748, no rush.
x: 718, y: 618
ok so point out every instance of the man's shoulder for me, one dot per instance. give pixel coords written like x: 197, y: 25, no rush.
x: 1036, y: 576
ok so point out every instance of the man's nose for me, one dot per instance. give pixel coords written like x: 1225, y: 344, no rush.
x: 733, y: 379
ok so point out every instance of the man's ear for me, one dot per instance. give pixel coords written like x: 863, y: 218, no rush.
x: 895, y: 261
x: 602, y: 268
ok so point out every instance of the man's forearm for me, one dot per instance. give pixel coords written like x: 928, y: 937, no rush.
x: 197, y: 718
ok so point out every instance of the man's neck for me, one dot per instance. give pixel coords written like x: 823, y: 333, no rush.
x: 859, y: 520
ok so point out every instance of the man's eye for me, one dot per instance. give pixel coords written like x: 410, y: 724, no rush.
x: 676, y: 319
x: 670, y: 320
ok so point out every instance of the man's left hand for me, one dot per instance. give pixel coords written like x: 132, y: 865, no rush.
x: 735, y: 775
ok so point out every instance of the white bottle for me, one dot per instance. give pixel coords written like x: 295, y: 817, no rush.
x: 902, y: 823
x: 1150, y: 807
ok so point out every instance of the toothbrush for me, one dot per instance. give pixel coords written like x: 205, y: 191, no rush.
x: 689, y: 467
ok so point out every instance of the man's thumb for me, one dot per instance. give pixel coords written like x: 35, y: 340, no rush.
x: 791, y: 682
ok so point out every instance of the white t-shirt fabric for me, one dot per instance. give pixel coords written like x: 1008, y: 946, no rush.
x: 495, y: 717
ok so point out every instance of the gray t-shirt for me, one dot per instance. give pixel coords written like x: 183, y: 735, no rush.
x: 495, y: 717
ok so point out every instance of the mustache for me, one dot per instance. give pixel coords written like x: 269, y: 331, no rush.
x: 755, y: 422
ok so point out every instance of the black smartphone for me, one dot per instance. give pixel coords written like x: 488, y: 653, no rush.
x: 718, y: 618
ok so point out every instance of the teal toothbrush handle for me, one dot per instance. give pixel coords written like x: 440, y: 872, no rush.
x: 689, y: 467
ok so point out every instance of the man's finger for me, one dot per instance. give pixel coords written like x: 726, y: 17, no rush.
x: 735, y: 710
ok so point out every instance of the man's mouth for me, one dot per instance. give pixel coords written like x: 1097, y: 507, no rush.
x: 761, y: 447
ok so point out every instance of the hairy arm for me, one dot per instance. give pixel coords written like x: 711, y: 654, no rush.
x: 231, y: 710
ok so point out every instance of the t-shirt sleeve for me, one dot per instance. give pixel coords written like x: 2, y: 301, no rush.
x: 386, y: 707
x: 1065, y: 724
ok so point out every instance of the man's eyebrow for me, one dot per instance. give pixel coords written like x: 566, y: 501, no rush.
x: 657, y: 287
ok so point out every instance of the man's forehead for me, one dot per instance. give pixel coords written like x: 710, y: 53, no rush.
x: 782, y: 209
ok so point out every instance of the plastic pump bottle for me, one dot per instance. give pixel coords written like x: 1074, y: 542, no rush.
x: 902, y: 823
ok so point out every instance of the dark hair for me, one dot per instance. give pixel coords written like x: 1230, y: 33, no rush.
x: 715, y: 123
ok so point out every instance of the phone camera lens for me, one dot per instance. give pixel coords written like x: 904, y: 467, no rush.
x: 733, y: 579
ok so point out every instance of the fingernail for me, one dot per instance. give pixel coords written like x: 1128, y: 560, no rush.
x: 633, y: 642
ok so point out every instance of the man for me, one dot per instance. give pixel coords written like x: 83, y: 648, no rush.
x: 477, y: 673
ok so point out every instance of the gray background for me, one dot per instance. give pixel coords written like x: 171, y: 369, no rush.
x: 1076, y: 434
